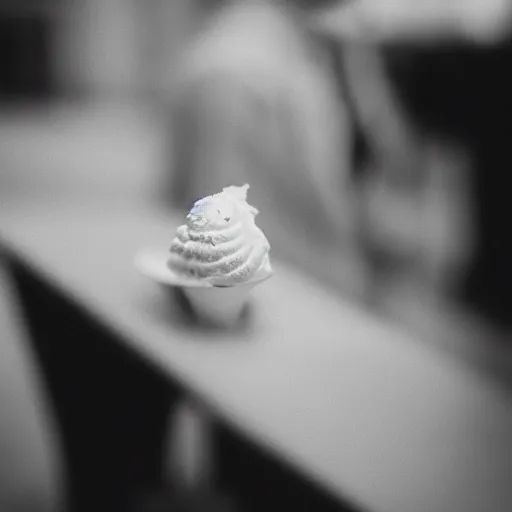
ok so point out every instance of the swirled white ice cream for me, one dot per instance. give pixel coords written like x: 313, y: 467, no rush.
x: 220, y: 242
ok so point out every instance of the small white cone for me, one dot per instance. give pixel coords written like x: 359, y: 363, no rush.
x: 221, y: 306
x: 216, y: 305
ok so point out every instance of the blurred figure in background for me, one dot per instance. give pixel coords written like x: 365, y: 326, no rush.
x: 272, y: 98
x: 448, y: 62
x: 364, y: 129
x: 259, y: 103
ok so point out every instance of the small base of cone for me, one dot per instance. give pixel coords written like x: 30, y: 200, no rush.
x: 220, y: 306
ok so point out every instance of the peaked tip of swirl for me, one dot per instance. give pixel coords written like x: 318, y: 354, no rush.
x: 236, y: 191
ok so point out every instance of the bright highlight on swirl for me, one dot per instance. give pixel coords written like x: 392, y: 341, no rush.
x: 220, y: 242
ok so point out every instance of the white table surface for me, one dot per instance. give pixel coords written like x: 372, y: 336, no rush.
x: 351, y: 403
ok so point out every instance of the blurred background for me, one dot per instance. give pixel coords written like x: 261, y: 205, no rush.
x: 78, y: 85
x: 87, y: 114
x: 92, y: 112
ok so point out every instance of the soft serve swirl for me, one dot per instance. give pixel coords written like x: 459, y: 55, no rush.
x: 220, y: 242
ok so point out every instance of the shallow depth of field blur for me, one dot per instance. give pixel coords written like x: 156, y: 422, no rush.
x: 77, y: 89
x: 84, y: 95
x: 85, y: 88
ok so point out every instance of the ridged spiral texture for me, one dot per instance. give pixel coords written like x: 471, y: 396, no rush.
x: 220, y: 242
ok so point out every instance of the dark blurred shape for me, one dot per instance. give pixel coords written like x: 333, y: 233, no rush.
x: 25, y: 57
x: 177, y: 501
x: 260, y: 482
x: 462, y: 93
x: 31, y: 466
x: 111, y: 408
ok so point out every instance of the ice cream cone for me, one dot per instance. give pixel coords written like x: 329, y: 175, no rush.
x: 217, y: 305
x: 220, y: 305
x: 216, y: 257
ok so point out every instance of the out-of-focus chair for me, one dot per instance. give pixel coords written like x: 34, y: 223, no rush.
x: 30, y: 461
